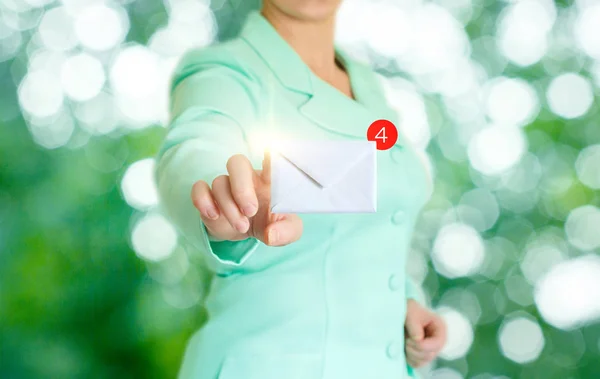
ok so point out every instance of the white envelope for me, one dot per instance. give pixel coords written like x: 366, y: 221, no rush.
x: 324, y: 177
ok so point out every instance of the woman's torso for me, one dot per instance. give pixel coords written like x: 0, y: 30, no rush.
x: 332, y: 304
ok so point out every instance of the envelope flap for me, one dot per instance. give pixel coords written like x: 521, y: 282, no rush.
x: 325, y: 161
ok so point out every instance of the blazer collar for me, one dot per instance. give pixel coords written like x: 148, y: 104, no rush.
x: 281, y: 58
x: 325, y: 106
x: 294, y: 74
x: 366, y: 87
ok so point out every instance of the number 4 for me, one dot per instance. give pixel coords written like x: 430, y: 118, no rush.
x: 381, y: 135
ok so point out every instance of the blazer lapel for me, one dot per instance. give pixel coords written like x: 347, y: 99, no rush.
x: 330, y: 109
x: 326, y: 106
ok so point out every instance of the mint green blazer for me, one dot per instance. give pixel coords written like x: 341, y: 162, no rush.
x: 331, y: 305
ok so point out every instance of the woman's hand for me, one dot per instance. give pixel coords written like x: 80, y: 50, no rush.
x: 237, y: 206
x: 425, y: 334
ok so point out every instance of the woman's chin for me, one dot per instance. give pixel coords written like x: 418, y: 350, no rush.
x: 308, y: 10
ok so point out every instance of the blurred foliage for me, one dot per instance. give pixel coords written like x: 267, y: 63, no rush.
x: 77, y: 302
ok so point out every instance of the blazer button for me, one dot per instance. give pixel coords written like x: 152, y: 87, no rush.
x: 393, y: 350
x: 394, y: 282
x: 398, y: 217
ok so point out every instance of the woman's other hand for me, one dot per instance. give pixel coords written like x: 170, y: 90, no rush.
x: 425, y: 334
x: 237, y: 206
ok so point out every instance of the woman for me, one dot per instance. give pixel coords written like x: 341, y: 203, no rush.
x: 310, y: 296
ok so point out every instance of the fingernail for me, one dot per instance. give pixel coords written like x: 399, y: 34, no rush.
x: 272, y: 236
x: 212, y: 213
x: 250, y: 210
x: 242, y: 226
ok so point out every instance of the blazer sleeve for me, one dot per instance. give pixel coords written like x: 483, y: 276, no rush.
x: 212, y: 105
x: 412, y: 291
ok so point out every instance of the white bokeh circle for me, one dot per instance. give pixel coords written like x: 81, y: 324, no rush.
x: 459, y: 334
x: 458, y: 251
x: 138, y: 185
x: 587, y: 167
x: 154, y: 238
x: 82, y: 77
x: 570, y: 95
x: 521, y: 339
x: 495, y: 149
x: 511, y: 101
x: 564, y: 296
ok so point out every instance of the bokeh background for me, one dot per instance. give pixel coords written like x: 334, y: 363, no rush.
x: 502, y: 95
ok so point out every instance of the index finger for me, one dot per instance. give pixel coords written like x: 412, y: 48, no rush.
x: 266, y: 170
x: 241, y: 178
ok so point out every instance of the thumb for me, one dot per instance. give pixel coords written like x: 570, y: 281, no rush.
x: 284, y: 231
x: 414, y: 329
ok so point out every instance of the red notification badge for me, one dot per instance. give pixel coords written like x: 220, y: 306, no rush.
x: 384, y: 133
